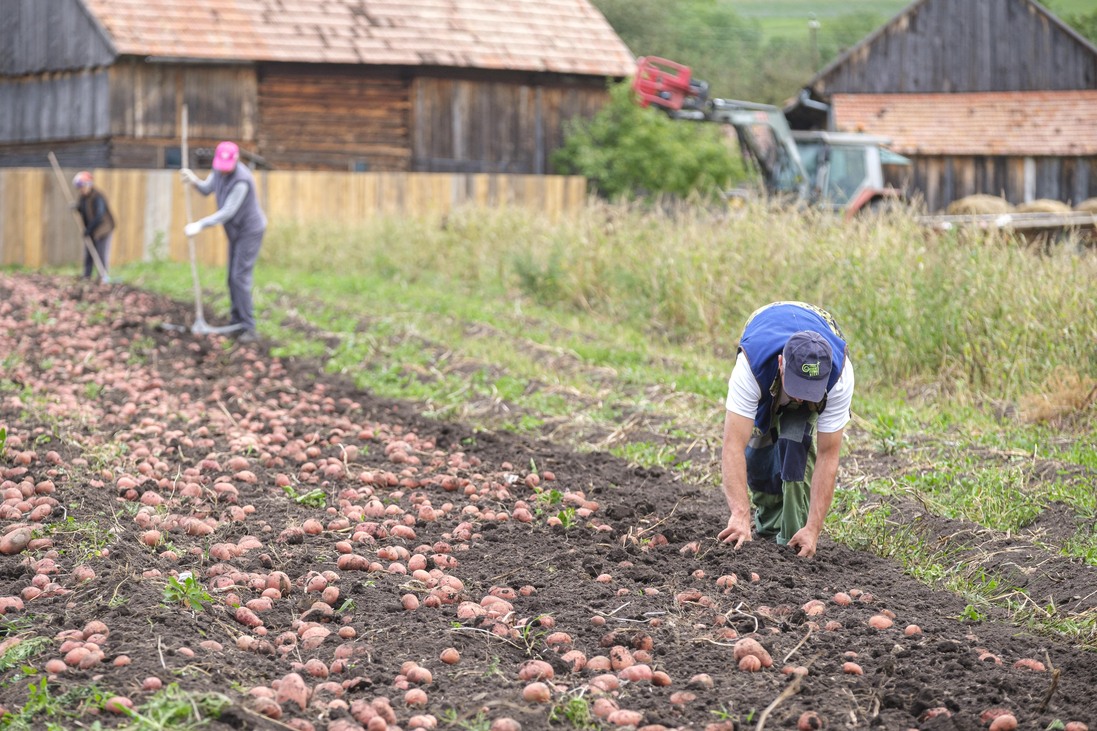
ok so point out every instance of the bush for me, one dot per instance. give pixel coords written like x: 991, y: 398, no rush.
x: 626, y: 150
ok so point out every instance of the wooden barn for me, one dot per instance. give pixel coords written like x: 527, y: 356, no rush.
x: 361, y: 85
x: 985, y: 96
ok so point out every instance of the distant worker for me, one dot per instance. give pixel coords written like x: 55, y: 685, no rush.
x: 791, y: 386
x: 233, y: 186
x: 98, y: 223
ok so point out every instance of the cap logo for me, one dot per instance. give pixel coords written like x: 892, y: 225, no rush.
x: 811, y: 370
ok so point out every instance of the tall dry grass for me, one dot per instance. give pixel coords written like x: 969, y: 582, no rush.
x: 964, y: 311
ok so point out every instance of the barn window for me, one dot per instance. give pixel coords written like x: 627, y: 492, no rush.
x: 359, y: 166
x: 173, y: 158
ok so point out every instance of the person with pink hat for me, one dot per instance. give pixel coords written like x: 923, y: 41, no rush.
x: 233, y: 186
x: 98, y: 222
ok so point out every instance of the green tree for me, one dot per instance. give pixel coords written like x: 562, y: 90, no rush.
x: 729, y: 51
x: 1086, y: 24
x: 1083, y: 22
x: 627, y: 150
x: 707, y: 35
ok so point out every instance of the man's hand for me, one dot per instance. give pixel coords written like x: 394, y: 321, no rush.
x: 738, y: 530
x: 189, y: 176
x: 805, y: 539
x: 191, y: 229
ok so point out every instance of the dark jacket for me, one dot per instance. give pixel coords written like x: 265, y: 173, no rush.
x: 98, y: 220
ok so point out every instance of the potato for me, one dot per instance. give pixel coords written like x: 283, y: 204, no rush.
x: 536, y: 693
x: 809, y: 721
x: 505, y: 724
x: 1005, y: 722
x: 15, y: 541
x: 535, y: 670
x: 750, y: 664
x: 879, y: 621
x: 292, y: 689
x: 750, y: 646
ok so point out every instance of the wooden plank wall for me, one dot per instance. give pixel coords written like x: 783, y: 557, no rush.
x: 333, y: 120
x: 967, y: 45
x: 146, y: 101
x: 66, y: 105
x: 482, y: 126
x: 939, y: 180
x: 48, y: 35
x: 37, y: 228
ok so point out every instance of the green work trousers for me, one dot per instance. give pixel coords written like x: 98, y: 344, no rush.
x: 780, y: 506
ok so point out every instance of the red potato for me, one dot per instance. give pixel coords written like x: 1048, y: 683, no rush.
x: 879, y: 621
x: 750, y: 646
x: 505, y: 724
x: 620, y: 657
x: 450, y: 656
x: 118, y: 704
x: 535, y: 670
x: 603, y: 706
x: 1076, y: 726
x: 701, y: 680
x: 1028, y: 663
x: 292, y: 689
x: 577, y: 659
x: 536, y: 693
x: 852, y: 668
x: 15, y: 541
x: 750, y: 664
x: 636, y: 673
x: 992, y: 713
x: 1005, y: 722
x: 558, y: 638
x: 814, y: 608
x: 809, y: 721
x: 606, y: 683
x: 624, y: 717
x: 419, y: 675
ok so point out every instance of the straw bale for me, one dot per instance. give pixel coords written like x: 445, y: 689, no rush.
x: 1043, y: 205
x: 1089, y: 205
x: 975, y: 204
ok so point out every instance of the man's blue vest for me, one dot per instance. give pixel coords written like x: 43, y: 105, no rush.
x: 764, y: 337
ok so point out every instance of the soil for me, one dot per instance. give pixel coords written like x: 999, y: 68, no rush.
x: 123, y: 428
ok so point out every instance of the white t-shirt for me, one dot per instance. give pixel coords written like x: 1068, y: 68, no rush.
x: 744, y: 395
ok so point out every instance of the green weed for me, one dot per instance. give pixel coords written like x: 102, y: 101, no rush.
x: 315, y: 498
x: 44, y: 710
x: 574, y: 711
x: 23, y: 652
x: 453, y: 718
x: 188, y: 592
x: 173, y: 708
x: 568, y: 518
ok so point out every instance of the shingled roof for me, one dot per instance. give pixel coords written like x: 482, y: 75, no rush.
x: 1051, y: 123
x: 560, y: 36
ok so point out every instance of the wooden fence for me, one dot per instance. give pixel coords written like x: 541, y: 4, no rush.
x: 37, y: 229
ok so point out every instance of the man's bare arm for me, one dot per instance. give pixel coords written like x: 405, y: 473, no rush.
x: 737, y: 432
